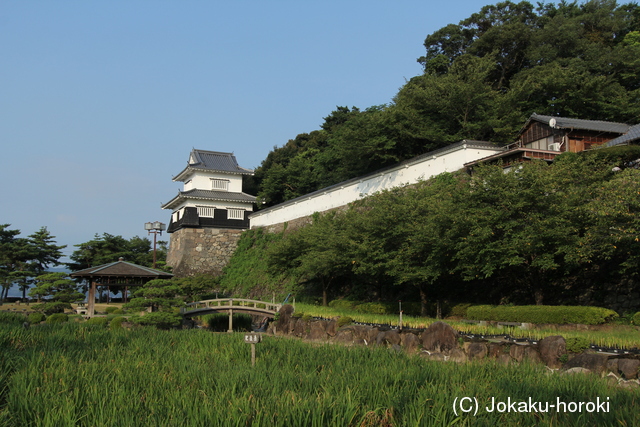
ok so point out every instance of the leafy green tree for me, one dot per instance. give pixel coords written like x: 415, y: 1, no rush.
x: 156, y: 295
x: 315, y: 254
x: 14, y: 254
x: 109, y: 248
x: 60, y: 290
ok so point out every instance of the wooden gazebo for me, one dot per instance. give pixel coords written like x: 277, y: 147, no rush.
x: 119, y: 273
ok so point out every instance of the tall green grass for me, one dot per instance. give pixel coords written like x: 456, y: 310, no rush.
x: 70, y: 375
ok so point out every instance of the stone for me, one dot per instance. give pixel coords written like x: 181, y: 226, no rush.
x: 596, y: 363
x: 439, y: 337
x: 517, y: 352
x: 628, y: 368
x: 504, y: 359
x: 456, y: 355
x: 531, y: 354
x: 576, y: 370
x: 344, y: 335
x: 410, y: 342
x: 630, y: 384
x: 332, y: 328
x: 551, y: 348
x: 612, y: 365
x: 391, y: 337
x: 477, y: 351
x: 284, y: 317
x: 300, y: 328
x: 495, y: 350
x: 317, y: 330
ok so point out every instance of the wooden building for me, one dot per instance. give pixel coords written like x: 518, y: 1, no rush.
x: 545, y: 137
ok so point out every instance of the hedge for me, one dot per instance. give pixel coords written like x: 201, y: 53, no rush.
x: 542, y: 314
x: 57, y: 318
x: 636, y: 319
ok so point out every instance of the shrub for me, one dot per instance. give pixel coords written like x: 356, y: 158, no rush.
x: 58, y: 318
x: 459, y: 310
x: 297, y: 314
x: 343, y: 304
x: 576, y: 344
x: 36, y: 317
x: 344, y: 320
x: 116, y: 322
x: 636, y: 319
x: 111, y: 309
x: 307, y: 318
x: 377, y: 308
x: 49, y: 308
x: 102, y: 321
x: 542, y: 314
x: 159, y: 319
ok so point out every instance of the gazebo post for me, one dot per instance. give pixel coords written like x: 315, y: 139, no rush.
x: 92, y: 299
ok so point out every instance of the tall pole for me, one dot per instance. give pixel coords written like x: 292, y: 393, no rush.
x: 155, y: 228
x: 155, y: 234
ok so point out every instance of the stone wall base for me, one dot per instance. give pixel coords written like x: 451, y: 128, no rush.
x: 195, y: 251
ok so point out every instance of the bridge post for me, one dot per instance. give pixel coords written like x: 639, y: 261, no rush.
x: 230, y: 320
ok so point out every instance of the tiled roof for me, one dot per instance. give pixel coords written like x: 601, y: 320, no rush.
x: 213, y: 161
x: 122, y: 269
x: 567, y: 123
x: 225, y: 196
x: 632, y: 136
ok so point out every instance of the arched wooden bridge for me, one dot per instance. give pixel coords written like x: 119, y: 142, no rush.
x: 231, y: 306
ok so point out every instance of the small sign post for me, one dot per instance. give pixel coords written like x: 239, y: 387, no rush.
x: 253, y: 339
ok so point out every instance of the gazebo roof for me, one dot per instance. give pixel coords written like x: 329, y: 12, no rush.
x: 121, y: 272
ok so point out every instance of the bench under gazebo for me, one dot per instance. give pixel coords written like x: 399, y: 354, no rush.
x: 119, y: 273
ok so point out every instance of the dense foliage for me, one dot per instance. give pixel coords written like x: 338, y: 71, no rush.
x: 74, y: 375
x: 482, y: 78
x: 565, y: 233
x: 109, y: 248
x: 557, y: 314
x: 22, y: 259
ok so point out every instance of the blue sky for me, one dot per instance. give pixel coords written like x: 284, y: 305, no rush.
x: 101, y: 102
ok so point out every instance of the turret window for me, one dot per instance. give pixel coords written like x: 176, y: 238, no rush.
x: 220, y: 184
x: 235, y: 213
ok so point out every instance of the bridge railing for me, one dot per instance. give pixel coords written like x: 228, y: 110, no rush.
x: 232, y: 303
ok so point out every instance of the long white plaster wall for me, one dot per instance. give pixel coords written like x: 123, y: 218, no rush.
x: 409, y: 172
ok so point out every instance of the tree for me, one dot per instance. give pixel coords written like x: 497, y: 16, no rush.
x: 109, y: 248
x: 14, y: 255
x: 159, y: 297
x: 315, y: 254
x: 61, y: 290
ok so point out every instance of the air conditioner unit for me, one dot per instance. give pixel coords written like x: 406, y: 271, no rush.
x: 554, y: 147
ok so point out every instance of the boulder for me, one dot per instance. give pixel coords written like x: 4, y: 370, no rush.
x: 317, y: 330
x: 284, y: 316
x: 345, y: 335
x: 496, y: 349
x: 517, y: 352
x: 410, y: 342
x: 300, y: 328
x: 628, y: 368
x: 477, y: 350
x: 551, y: 348
x: 332, y: 328
x: 531, y: 354
x: 576, y: 370
x: 456, y: 355
x: 596, y: 363
x: 386, y: 338
x: 504, y: 359
x: 439, y: 337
